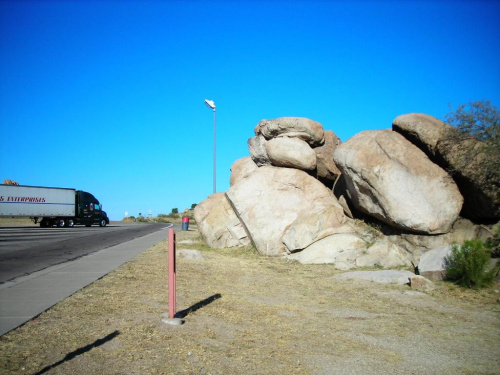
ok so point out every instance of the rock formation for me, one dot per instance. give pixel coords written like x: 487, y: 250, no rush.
x: 395, y: 181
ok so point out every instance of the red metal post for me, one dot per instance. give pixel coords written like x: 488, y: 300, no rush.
x: 171, y: 274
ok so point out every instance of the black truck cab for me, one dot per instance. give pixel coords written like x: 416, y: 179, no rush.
x: 89, y: 210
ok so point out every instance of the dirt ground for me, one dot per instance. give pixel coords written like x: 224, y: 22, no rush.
x: 247, y: 314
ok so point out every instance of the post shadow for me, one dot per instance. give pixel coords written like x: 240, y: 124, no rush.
x: 80, y: 351
x: 183, y: 313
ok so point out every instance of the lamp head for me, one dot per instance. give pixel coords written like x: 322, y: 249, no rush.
x: 210, y: 104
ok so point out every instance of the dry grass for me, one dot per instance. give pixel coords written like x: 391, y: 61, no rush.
x: 16, y: 221
x: 255, y: 315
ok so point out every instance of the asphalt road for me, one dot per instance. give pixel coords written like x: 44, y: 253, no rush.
x: 24, y: 250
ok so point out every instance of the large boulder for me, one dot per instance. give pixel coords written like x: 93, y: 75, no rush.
x: 257, y: 148
x: 422, y: 130
x: 465, y: 157
x: 218, y: 224
x: 432, y: 264
x: 325, y: 166
x: 291, y: 153
x: 241, y: 168
x: 294, y: 127
x: 271, y: 200
x: 392, y: 180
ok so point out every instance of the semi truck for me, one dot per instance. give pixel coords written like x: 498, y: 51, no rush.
x: 51, y: 206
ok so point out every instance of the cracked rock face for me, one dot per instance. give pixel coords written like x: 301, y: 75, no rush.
x: 218, y: 224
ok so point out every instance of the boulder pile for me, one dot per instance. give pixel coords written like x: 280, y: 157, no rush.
x: 383, y: 198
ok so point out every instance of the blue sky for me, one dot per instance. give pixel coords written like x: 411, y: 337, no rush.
x: 107, y: 96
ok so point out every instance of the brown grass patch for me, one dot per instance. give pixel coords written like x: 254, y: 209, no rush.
x: 16, y: 221
x: 273, y: 317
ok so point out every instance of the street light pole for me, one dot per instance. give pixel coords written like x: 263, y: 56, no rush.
x: 211, y: 104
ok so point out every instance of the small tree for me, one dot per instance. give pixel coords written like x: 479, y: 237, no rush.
x: 193, y: 206
x: 479, y: 120
x: 175, y: 210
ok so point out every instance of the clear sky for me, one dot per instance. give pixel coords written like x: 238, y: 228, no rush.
x: 107, y: 96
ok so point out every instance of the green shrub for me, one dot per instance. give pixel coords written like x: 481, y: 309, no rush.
x: 468, y: 265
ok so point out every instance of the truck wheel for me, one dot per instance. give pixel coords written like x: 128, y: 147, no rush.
x: 70, y: 223
x: 102, y: 223
x: 61, y: 223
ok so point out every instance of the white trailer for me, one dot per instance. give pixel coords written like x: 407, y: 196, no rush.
x: 34, y: 201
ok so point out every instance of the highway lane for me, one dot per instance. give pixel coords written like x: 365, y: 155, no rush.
x: 24, y: 250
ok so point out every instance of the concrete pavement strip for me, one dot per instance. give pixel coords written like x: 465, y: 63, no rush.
x: 28, y: 296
